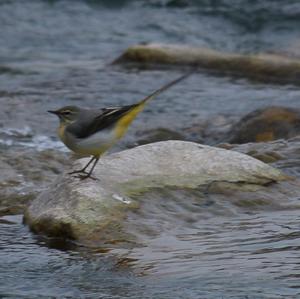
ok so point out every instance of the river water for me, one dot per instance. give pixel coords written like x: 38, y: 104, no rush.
x: 56, y: 53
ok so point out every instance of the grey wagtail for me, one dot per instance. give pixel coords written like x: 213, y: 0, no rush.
x: 94, y: 131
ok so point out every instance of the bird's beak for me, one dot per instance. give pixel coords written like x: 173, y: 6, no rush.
x: 53, y: 112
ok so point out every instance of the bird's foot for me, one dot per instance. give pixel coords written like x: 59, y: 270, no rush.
x: 78, y: 171
x: 83, y: 177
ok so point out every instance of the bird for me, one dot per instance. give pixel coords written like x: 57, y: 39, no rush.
x: 92, y: 132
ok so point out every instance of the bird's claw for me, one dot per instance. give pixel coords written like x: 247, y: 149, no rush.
x: 82, y: 174
x: 77, y: 171
x: 83, y: 177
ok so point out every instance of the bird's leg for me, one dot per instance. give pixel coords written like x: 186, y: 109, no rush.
x: 83, y: 177
x: 84, y: 168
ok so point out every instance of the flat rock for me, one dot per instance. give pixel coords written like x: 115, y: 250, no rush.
x: 92, y: 210
x: 261, y: 67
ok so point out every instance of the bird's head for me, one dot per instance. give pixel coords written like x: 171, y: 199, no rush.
x: 67, y: 114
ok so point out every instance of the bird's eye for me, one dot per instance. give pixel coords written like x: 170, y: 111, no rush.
x: 66, y: 112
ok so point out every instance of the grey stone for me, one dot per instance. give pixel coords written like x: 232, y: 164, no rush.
x: 90, y: 210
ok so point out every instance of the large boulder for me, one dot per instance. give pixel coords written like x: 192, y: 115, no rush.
x: 93, y: 210
x: 266, y: 124
x: 261, y: 67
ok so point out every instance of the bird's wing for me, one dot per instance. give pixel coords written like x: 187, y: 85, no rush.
x: 105, y: 119
x: 119, y: 116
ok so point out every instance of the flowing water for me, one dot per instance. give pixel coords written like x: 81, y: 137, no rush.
x: 56, y: 53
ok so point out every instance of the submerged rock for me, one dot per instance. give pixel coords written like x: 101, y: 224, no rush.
x: 24, y: 173
x: 283, y: 154
x: 261, y: 67
x: 210, y: 131
x: 93, y: 210
x: 266, y: 124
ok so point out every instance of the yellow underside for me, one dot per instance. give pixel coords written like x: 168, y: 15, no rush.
x: 123, y: 124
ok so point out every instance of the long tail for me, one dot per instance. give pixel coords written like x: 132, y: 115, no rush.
x: 125, y: 121
x: 165, y: 87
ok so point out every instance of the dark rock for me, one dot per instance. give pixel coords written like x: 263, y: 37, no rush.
x: 158, y: 134
x: 177, y: 3
x: 266, y: 124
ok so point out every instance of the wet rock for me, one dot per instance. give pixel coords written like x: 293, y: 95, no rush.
x: 266, y: 124
x: 24, y: 173
x: 93, y: 210
x: 207, y: 131
x: 158, y: 134
x: 7, y: 173
x: 210, y: 131
x: 261, y: 67
x: 12, y: 197
x: 282, y: 154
